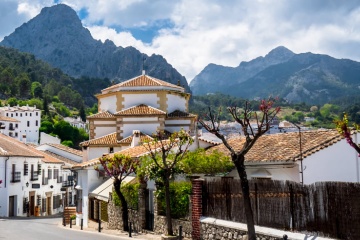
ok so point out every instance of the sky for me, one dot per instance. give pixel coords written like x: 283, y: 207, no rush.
x: 190, y: 34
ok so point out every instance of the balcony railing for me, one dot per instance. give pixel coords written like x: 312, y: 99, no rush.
x: 45, y: 181
x: 68, y: 183
x: 34, y: 176
x: 15, y: 177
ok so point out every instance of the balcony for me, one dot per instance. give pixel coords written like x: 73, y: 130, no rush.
x: 34, y: 176
x: 45, y: 181
x: 68, y: 183
x: 15, y: 177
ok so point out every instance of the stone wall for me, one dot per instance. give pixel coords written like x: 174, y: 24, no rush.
x: 213, y: 231
x: 160, y: 226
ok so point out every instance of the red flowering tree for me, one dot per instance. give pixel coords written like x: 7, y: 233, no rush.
x: 119, y: 166
x: 343, y: 128
x: 263, y: 118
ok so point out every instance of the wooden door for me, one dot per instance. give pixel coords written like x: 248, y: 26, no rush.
x: 11, y: 206
x: 32, y: 205
x: 48, y: 204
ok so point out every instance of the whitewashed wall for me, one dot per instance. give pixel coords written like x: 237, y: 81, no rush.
x: 131, y: 100
x: 176, y: 102
x: 339, y: 162
x: 147, y: 128
x: 108, y: 103
x: 60, y: 152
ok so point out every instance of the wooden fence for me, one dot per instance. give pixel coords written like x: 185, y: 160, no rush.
x: 326, y: 209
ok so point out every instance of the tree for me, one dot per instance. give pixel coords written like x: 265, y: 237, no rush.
x: 251, y: 135
x: 165, y: 155
x: 345, y: 131
x: 119, y: 166
x: 82, y: 113
x: 36, y: 90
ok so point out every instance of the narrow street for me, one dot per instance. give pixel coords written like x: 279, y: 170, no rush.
x: 46, y: 229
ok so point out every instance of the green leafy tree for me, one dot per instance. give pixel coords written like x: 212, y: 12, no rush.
x: 46, y: 127
x: 36, y: 90
x: 165, y: 156
x: 251, y: 135
x: 118, y: 167
x: 68, y: 143
x: 82, y: 113
x: 64, y: 130
x: 12, y: 101
x: 24, y: 84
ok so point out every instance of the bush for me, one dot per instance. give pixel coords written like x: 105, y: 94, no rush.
x: 179, y: 201
x: 131, y: 194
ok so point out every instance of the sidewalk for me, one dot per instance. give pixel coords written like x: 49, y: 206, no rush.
x: 93, y: 227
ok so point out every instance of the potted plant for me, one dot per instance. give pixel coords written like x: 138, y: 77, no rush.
x: 72, y: 218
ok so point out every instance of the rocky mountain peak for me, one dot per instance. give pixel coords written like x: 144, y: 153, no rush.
x: 57, y: 36
x: 280, y: 54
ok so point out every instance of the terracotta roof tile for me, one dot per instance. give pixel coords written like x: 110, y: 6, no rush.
x: 143, y: 138
x: 8, y: 119
x: 12, y: 147
x: 284, y: 146
x: 105, y: 114
x: 61, y: 158
x: 66, y: 149
x: 141, y: 109
x: 144, y: 80
x: 178, y: 113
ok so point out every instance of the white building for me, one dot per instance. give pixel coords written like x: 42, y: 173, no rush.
x: 140, y: 106
x: 325, y: 155
x: 29, y: 121
x: 32, y: 180
x: 10, y: 127
x: 76, y: 122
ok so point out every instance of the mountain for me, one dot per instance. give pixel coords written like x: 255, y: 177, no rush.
x: 57, y: 36
x: 306, y: 77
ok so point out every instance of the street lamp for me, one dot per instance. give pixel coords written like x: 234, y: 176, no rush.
x: 27, y: 184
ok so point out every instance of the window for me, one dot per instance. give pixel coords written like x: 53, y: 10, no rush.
x: 25, y: 114
x: 30, y: 114
x: 16, y: 134
x: 37, y: 113
x: 28, y: 123
x: 111, y: 149
x: 12, y: 115
x: 56, y: 173
x: 20, y: 114
x: 36, y: 123
x: 16, y: 114
x: 49, y: 173
x: 26, y: 169
x: 16, y: 125
x: 7, y: 114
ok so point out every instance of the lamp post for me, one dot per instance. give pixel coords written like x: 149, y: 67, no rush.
x: 301, y: 155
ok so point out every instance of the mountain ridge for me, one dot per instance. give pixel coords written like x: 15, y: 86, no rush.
x: 305, y: 77
x: 58, y: 37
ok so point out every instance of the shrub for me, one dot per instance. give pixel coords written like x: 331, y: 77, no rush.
x: 131, y: 194
x: 179, y: 202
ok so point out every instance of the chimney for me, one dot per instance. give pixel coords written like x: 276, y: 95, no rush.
x: 24, y: 138
x: 136, y: 138
x: 143, y: 72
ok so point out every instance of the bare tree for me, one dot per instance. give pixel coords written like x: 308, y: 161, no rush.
x: 165, y: 155
x: 263, y: 118
x: 119, y: 166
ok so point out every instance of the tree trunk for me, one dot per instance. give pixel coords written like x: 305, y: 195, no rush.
x: 124, y: 206
x: 239, y: 161
x: 167, y: 200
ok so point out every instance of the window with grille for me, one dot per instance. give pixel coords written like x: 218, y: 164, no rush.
x: 43, y: 205
x: 26, y: 169
x: 56, y: 173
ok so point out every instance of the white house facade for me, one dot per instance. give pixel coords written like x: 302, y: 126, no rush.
x: 322, y: 156
x: 29, y: 121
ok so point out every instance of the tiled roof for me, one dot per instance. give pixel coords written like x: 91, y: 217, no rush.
x: 133, y: 152
x: 141, y: 109
x: 283, y: 146
x: 144, y: 80
x: 143, y: 138
x: 8, y: 119
x: 105, y: 114
x: 47, y: 157
x: 178, y: 113
x: 64, y: 159
x: 66, y: 149
x: 111, y: 139
x: 210, y: 141
x: 13, y: 147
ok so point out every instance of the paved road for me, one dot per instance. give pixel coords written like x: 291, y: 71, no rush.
x: 46, y: 229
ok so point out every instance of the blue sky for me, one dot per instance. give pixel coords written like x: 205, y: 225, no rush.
x: 190, y: 34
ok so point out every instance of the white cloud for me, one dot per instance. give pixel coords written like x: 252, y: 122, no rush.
x: 211, y: 31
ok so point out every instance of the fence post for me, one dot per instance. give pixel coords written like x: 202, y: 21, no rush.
x: 292, y: 207
x: 180, y: 232
x: 256, y: 204
x: 196, y: 208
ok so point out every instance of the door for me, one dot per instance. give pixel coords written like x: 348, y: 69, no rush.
x: 11, y: 206
x: 48, y: 204
x: 32, y: 205
x: 149, y: 207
